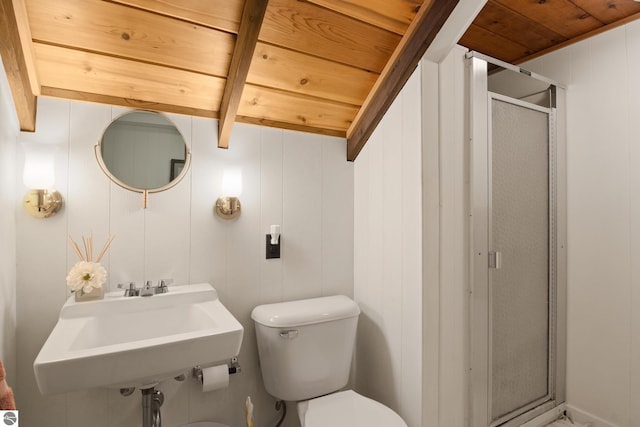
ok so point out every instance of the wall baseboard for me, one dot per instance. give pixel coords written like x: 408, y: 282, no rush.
x: 585, y: 417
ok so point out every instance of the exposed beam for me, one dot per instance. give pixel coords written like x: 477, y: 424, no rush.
x: 24, y: 30
x: 55, y: 92
x: 15, y: 64
x: 290, y: 126
x: 424, y: 28
x: 250, y: 24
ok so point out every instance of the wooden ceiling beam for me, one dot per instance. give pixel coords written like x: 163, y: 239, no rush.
x: 55, y: 92
x: 15, y: 64
x: 250, y: 24
x: 424, y: 28
x: 259, y: 121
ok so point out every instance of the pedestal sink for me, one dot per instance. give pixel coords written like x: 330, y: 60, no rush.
x: 136, y: 341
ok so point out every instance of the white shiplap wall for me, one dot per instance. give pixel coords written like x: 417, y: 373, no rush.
x: 446, y: 242
x: 8, y: 133
x: 388, y: 258
x: 299, y: 181
x: 603, y: 151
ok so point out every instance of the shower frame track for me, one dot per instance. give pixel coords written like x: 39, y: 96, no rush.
x: 479, y: 345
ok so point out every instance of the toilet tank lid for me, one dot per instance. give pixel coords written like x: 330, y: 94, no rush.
x: 305, y: 312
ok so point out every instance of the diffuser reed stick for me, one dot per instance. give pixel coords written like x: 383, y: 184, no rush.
x: 75, y: 247
x: 87, y: 242
x: 105, y: 248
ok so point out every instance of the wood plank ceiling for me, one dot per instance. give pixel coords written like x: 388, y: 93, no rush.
x: 517, y: 30
x: 326, y: 66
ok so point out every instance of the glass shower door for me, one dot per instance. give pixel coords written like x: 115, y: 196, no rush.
x: 520, y: 270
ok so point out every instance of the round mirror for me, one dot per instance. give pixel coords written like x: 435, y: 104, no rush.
x: 143, y: 151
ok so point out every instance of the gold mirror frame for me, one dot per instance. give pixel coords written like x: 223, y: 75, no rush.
x: 145, y: 192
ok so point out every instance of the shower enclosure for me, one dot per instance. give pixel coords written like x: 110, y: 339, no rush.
x: 518, y: 243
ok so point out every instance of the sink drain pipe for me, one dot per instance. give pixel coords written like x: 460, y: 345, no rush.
x: 152, y: 400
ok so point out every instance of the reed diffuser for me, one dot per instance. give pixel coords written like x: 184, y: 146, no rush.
x: 87, y: 277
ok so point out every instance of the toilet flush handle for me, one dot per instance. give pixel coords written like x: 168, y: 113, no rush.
x: 290, y: 334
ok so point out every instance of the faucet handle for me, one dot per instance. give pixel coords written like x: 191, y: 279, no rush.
x: 163, y: 286
x: 131, y: 291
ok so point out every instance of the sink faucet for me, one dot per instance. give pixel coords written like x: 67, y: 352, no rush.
x: 148, y: 289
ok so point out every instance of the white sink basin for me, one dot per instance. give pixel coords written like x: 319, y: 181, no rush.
x: 136, y: 341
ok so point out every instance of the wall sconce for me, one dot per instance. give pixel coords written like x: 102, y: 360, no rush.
x: 228, y: 205
x: 41, y: 201
x: 273, y: 242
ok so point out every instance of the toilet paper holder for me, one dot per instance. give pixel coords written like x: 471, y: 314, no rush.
x: 234, y: 368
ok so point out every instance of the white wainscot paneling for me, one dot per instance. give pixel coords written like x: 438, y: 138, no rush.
x: 387, y: 258
x: 271, y: 186
x: 208, y: 233
x: 87, y: 199
x: 289, y: 178
x: 598, y: 325
x: 337, y: 219
x: 602, y: 325
x: 301, y: 230
x: 633, y: 99
x: 411, y: 400
x: 9, y: 130
x: 41, y: 269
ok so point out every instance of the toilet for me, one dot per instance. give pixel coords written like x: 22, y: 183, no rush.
x: 305, y: 350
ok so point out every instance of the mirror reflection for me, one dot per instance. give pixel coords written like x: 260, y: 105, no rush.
x: 143, y: 151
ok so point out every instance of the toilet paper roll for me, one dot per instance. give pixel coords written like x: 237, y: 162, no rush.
x: 215, y: 378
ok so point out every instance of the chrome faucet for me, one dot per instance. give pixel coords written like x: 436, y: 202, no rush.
x: 147, y: 290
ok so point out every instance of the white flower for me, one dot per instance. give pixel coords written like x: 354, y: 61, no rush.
x: 86, y: 276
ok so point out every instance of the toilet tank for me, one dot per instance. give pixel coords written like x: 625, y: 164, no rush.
x: 306, y: 346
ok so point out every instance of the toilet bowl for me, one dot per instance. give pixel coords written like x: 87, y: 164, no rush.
x: 305, y: 349
x: 346, y: 409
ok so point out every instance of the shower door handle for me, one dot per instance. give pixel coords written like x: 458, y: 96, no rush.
x: 495, y: 260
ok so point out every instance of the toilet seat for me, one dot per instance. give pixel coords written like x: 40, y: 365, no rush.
x: 346, y: 409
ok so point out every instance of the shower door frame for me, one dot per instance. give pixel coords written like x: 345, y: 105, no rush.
x: 480, y: 100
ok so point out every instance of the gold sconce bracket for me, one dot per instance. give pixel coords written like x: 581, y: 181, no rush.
x: 227, y: 207
x: 42, y: 203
